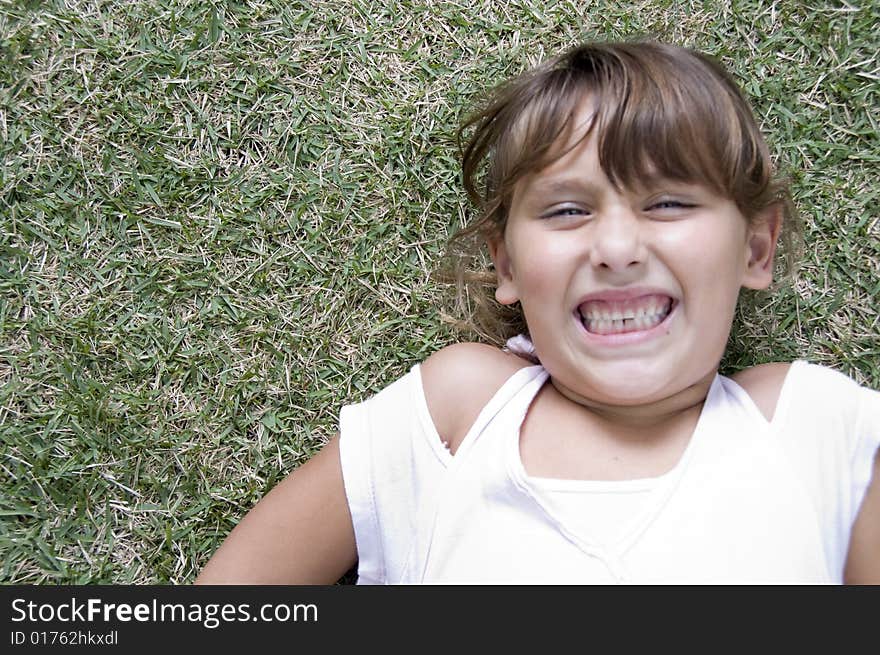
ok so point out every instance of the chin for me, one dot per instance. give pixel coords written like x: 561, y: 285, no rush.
x: 614, y: 385
x: 633, y: 392
x: 641, y: 381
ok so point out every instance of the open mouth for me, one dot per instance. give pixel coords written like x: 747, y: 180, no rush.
x: 622, y: 316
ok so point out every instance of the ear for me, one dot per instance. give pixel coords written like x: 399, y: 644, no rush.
x: 763, y: 235
x: 505, y: 289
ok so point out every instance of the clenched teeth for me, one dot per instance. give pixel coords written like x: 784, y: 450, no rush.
x: 613, y: 317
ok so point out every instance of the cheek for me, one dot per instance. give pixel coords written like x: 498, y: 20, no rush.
x: 718, y: 251
x: 709, y: 265
x: 544, y: 264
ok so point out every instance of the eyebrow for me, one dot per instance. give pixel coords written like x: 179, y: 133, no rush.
x: 577, y: 185
x: 560, y: 186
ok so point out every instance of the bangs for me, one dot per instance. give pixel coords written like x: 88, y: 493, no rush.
x: 537, y: 123
x: 672, y: 117
x: 660, y: 113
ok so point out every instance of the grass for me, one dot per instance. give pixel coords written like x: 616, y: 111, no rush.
x: 218, y: 220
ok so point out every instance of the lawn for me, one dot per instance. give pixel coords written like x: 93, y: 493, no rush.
x: 219, y: 221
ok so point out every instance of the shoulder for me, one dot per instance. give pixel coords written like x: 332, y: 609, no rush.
x: 763, y: 383
x: 459, y: 380
x: 808, y: 386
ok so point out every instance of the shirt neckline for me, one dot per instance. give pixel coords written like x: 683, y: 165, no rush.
x: 659, y: 495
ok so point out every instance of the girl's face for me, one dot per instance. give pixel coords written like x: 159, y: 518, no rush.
x: 629, y: 295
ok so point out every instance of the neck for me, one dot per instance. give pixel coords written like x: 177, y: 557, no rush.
x: 646, y: 418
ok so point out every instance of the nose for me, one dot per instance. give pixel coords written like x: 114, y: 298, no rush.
x: 616, y: 241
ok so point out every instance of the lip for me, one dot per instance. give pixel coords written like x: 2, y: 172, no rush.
x: 625, y: 338
x: 610, y: 295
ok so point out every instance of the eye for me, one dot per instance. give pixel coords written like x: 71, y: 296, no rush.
x: 565, y: 211
x: 670, y: 205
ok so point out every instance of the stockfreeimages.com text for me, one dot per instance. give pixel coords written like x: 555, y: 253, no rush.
x: 209, y: 615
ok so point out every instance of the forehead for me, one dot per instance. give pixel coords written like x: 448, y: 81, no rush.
x: 575, y: 145
x: 576, y: 171
x: 638, y: 135
x: 575, y: 164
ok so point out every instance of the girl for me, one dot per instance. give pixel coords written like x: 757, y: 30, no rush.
x: 626, y: 196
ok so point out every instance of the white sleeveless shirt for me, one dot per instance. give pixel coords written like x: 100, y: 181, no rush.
x: 750, y: 501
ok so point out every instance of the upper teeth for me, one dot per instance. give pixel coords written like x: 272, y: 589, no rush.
x: 648, y: 306
x: 606, y: 315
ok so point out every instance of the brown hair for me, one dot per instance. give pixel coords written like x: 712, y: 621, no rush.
x: 661, y: 110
